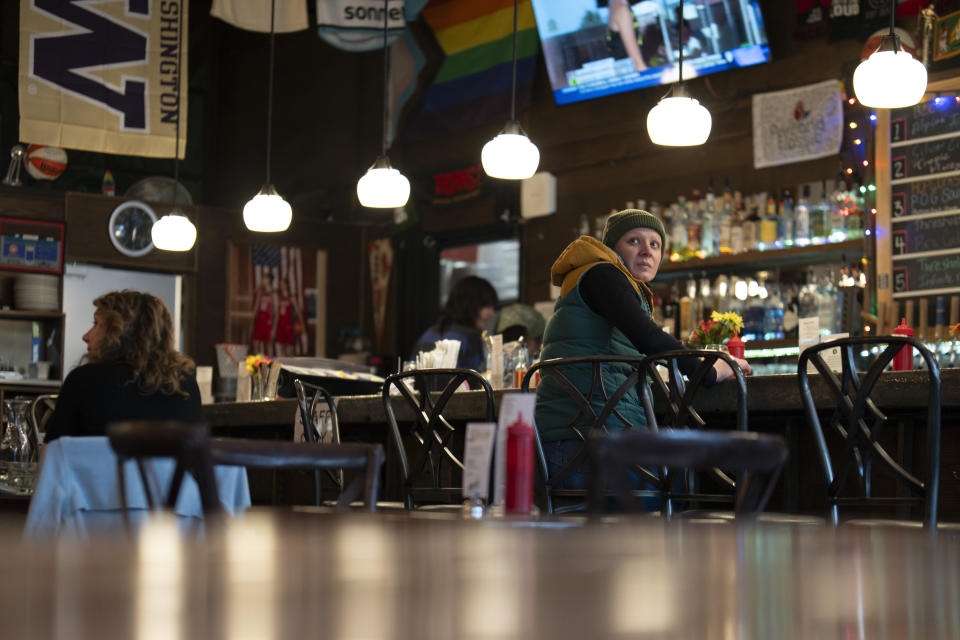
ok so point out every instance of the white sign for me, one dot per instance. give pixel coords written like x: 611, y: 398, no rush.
x: 477, y: 453
x: 797, y: 124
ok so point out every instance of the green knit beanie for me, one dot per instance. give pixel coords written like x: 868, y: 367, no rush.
x: 622, y: 221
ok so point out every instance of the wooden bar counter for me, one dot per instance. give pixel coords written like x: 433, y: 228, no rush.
x: 774, y: 405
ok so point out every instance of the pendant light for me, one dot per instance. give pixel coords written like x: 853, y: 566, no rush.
x: 511, y: 155
x: 890, y: 78
x: 382, y: 186
x: 174, y: 231
x: 679, y: 120
x: 268, y: 211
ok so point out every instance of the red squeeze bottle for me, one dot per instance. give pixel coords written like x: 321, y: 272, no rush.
x: 903, y: 361
x: 519, y: 466
x: 735, y: 347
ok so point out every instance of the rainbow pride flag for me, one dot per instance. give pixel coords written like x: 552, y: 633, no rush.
x: 472, y: 85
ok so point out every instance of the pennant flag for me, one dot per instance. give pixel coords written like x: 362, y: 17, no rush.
x: 103, y: 76
x: 472, y: 85
x: 254, y: 15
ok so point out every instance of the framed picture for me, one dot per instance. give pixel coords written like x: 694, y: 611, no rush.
x: 946, y: 36
x: 31, y: 245
x: 276, y: 299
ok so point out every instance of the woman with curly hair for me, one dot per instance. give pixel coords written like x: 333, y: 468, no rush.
x: 132, y: 372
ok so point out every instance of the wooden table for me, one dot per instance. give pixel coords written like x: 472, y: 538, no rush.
x: 358, y: 576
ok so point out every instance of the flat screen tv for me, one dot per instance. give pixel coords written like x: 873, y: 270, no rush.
x: 596, y: 48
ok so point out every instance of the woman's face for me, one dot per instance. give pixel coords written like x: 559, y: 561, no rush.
x: 641, y: 250
x: 94, y: 337
x: 484, y: 315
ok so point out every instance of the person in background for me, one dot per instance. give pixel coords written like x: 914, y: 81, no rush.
x: 622, y: 39
x: 264, y: 308
x: 133, y: 371
x: 605, y: 308
x: 472, y: 302
x: 517, y: 321
x: 288, y: 313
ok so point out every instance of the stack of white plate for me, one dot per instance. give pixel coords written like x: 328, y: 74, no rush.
x: 36, y: 292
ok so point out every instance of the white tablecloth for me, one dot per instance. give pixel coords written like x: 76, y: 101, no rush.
x: 77, y: 491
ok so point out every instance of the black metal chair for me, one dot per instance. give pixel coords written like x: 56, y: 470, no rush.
x: 366, y: 459
x: 857, y: 424
x: 675, y: 396
x: 594, y: 407
x: 186, y: 444
x: 616, y: 456
x: 321, y: 423
x: 432, y: 448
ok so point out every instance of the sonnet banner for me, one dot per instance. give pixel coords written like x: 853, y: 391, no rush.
x: 103, y: 76
x: 797, y: 124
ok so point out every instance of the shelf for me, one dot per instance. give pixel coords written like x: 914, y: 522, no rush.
x: 10, y: 314
x: 755, y: 260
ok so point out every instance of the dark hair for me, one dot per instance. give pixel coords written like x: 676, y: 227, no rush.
x: 468, y: 296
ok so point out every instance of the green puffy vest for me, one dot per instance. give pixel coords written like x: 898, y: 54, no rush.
x: 575, y: 330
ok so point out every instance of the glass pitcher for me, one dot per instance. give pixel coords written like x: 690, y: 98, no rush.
x: 15, y: 442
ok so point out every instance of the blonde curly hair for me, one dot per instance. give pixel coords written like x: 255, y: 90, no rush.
x: 138, y: 331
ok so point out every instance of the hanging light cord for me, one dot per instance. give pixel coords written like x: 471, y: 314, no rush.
x: 176, y: 144
x: 273, y: 37
x: 680, y: 45
x: 513, y: 79
x: 386, y: 73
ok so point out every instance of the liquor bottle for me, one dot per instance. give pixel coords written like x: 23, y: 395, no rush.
x: 694, y: 227
x: 769, y: 224
x: 708, y: 229
x: 678, y: 232
x: 751, y: 224
x: 838, y: 223
x: 802, y: 226
x: 820, y: 218
x: 785, y: 221
x: 724, y: 220
x: 737, y: 219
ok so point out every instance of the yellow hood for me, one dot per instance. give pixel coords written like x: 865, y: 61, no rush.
x: 583, y: 253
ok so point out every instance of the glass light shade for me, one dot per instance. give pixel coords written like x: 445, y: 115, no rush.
x: 173, y: 232
x: 679, y: 121
x: 383, y: 188
x: 890, y: 79
x: 510, y: 156
x: 267, y: 211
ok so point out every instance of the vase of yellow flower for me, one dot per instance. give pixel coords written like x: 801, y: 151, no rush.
x: 713, y: 333
x: 258, y: 365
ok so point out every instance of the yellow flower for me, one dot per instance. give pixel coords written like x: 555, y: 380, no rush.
x: 731, y: 320
x: 254, y: 362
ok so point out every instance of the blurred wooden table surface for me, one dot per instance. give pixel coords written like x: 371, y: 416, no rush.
x: 283, y: 575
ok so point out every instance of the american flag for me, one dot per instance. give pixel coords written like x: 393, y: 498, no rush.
x: 282, y: 263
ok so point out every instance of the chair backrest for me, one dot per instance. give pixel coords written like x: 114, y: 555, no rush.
x: 759, y: 458
x: 594, y: 406
x: 40, y: 411
x: 367, y: 459
x: 433, y: 446
x: 857, y: 424
x: 321, y: 423
x: 187, y: 444
x: 674, y: 395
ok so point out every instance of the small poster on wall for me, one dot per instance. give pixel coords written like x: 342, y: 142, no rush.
x: 947, y: 36
x: 31, y: 245
x: 797, y: 124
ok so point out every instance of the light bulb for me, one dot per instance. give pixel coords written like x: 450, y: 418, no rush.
x: 889, y: 80
x: 173, y: 232
x: 383, y: 187
x: 510, y: 155
x: 679, y: 121
x: 267, y: 211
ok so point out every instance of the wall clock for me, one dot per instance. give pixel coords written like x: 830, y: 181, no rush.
x: 130, y: 225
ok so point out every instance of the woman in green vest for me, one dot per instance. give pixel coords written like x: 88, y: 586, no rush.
x: 604, y: 309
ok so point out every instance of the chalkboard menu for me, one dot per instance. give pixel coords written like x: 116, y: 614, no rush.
x: 925, y: 193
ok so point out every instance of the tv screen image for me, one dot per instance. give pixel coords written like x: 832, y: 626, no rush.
x: 596, y: 48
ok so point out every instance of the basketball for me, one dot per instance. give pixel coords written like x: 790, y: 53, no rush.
x: 46, y: 163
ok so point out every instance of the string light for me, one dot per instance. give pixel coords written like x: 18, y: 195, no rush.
x: 849, y: 170
x: 858, y: 141
x: 866, y: 163
x: 853, y: 125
